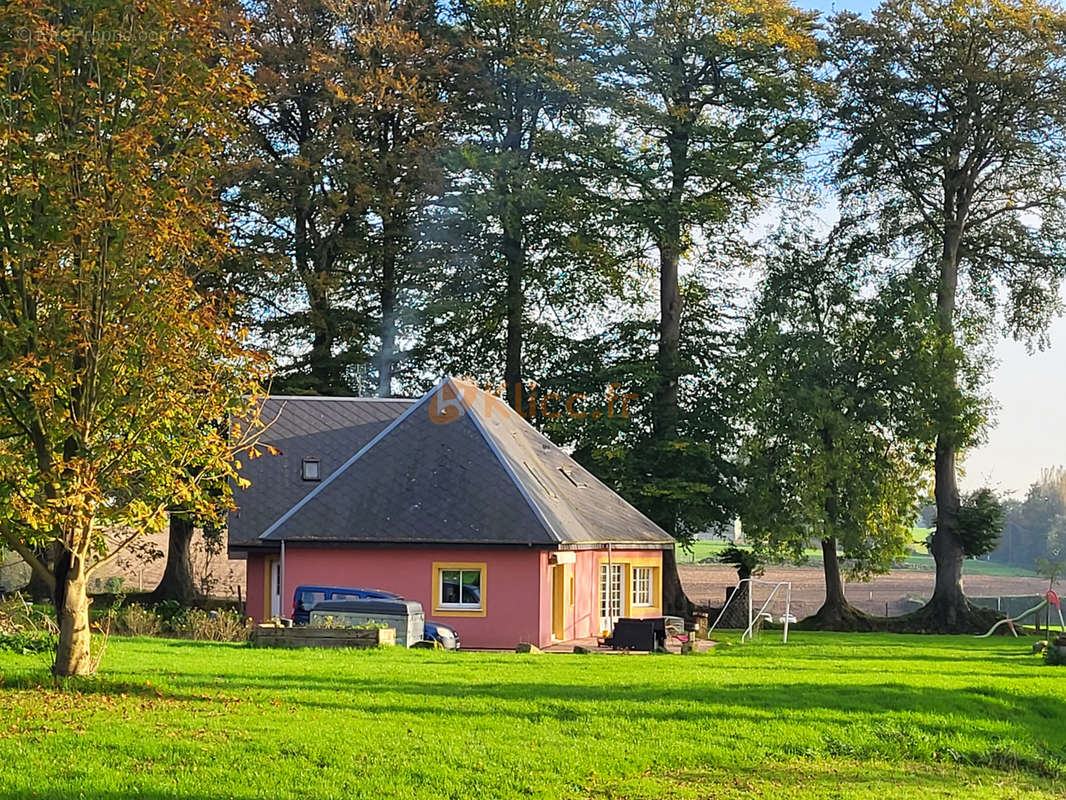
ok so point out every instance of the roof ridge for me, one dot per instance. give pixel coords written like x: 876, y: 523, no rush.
x: 343, y: 467
x: 599, y: 481
x: 537, y: 512
x: 343, y: 398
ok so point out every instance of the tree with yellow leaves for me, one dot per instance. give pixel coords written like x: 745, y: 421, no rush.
x: 116, y: 374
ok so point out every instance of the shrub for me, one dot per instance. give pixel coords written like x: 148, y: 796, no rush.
x: 214, y: 626
x: 981, y: 518
x: 26, y: 642
x: 137, y: 620
x: 172, y: 613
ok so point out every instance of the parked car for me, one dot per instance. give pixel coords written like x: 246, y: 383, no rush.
x: 307, y: 597
x: 439, y: 632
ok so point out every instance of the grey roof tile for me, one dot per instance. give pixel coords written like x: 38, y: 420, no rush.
x: 330, y: 429
x: 458, y: 467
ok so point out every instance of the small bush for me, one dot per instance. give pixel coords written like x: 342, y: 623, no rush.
x: 172, y: 613
x: 214, y: 626
x: 137, y: 620
x: 27, y: 642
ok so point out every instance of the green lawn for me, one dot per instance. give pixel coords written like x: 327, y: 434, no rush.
x: 827, y: 715
x: 923, y: 562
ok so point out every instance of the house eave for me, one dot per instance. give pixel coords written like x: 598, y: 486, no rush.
x: 274, y: 545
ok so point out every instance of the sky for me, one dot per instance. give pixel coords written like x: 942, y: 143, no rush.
x: 1028, y: 432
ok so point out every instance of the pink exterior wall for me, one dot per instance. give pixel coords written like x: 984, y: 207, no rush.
x: 511, y: 586
x: 581, y: 609
x: 517, y: 586
x: 255, y: 587
x: 586, y: 611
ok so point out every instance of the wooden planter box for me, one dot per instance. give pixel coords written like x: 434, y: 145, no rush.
x: 270, y: 636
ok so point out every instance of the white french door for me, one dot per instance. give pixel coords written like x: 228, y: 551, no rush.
x: 611, y: 580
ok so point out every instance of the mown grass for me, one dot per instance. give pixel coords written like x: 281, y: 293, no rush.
x: 827, y: 715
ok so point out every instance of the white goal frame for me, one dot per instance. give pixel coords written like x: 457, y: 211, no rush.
x: 749, y: 632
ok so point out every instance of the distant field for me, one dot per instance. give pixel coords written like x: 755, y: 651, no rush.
x: 825, y: 716
x: 918, y: 560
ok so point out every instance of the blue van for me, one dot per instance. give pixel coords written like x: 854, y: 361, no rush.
x: 307, y: 597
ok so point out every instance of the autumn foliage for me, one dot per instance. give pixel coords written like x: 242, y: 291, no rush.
x: 116, y: 374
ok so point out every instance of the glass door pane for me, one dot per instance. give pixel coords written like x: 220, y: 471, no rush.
x: 610, y: 595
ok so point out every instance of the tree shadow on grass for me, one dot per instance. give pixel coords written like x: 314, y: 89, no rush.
x: 894, y: 721
x: 440, y: 694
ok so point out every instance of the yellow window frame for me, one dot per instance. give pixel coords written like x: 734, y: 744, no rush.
x: 440, y: 566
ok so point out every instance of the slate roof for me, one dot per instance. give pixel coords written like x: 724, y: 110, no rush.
x: 327, y: 428
x: 457, y: 467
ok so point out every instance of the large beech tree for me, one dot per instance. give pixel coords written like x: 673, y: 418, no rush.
x: 341, y: 151
x: 711, y: 99
x: 832, y: 367
x: 527, y: 243
x: 396, y: 76
x: 711, y: 102
x: 954, y: 115
x: 114, y: 371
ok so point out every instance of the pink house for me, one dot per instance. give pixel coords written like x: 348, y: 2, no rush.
x: 452, y: 500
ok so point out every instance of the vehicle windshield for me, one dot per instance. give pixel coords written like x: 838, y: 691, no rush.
x: 306, y: 600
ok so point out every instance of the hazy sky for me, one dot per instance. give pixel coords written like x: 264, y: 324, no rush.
x: 1029, y: 432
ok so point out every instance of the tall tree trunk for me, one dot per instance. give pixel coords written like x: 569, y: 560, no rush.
x: 177, y: 582
x: 323, y: 337
x: 388, y: 292
x: 835, y: 603
x: 948, y: 609
x: 314, y: 270
x: 665, y: 403
x: 675, y: 601
x: 514, y: 261
x: 836, y: 614
x: 73, y: 655
x: 948, y: 606
x: 665, y: 410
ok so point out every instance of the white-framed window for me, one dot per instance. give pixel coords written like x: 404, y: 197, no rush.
x: 460, y: 589
x: 641, y: 585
